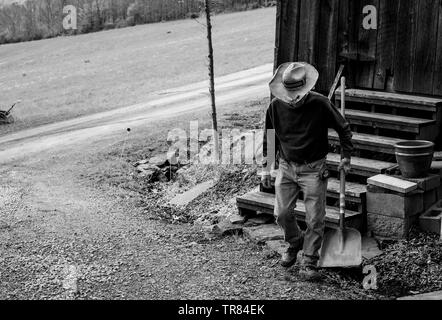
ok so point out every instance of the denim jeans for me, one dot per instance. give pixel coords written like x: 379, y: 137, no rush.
x: 308, y: 178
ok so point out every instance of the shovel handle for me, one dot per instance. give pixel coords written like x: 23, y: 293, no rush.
x: 336, y: 82
x: 342, y: 173
x: 343, y: 88
x: 342, y: 202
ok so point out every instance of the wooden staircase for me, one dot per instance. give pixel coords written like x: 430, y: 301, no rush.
x: 379, y: 120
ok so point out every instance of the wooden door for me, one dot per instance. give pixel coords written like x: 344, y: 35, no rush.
x: 367, y: 48
x: 418, y: 48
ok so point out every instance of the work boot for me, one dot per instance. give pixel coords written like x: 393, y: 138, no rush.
x: 291, y: 255
x: 310, y: 273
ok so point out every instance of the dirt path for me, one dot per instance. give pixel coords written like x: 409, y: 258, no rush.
x: 60, y: 238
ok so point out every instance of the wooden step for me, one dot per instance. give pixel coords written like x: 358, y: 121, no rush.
x: 354, y: 192
x: 387, y: 121
x: 395, y: 100
x: 368, y: 142
x: 360, y: 166
x: 352, y: 219
x: 265, y: 202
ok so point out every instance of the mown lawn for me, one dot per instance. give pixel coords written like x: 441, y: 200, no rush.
x: 67, y: 77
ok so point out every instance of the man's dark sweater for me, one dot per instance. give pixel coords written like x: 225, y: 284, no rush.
x: 302, y: 131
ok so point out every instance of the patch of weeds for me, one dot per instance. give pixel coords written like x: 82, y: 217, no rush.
x: 233, y: 181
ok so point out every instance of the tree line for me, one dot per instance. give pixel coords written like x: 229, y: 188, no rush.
x: 40, y: 19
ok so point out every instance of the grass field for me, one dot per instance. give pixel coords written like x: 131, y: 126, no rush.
x: 67, y: 77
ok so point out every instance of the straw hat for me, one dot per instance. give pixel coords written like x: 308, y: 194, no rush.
x: 293, y: 80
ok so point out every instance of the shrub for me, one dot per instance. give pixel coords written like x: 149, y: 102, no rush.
x: 193, y: 15
x: 130, y: 21
x: 120, y: 23
x: 109, y: 26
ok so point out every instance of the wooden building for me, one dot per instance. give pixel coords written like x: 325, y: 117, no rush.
x: 393, y: 45
x: 392, y: 50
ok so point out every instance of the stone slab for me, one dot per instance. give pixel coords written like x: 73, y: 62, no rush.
x: 159, y: 160
x: 376, y: 189
x: 225, y: 228
x: 392, y: 183
x: 259, y: 220
x: 370, y: 248
x: 184, y: 199
x: 394, y: 205
x: 423, y: 297
x: 237, y: 219
x: 389, y: 227
x: 264, y: 233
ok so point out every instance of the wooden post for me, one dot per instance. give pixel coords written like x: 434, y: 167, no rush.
x: 212, y: 77
x: 277, y: 36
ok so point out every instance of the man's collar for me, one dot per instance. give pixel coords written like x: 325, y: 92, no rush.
x: 300, y: 102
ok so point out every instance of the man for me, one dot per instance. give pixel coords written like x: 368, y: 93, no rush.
x: 300, y: 120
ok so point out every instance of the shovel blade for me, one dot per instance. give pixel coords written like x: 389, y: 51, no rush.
x: 341, y: 249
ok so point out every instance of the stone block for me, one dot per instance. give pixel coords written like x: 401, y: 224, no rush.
x: 428, y: 183
x: 431, y: 220
x: 386, y: 227
x: 389, y: 203
x: 439, y: 193
x: 430, y: 199
x: 436, y: 167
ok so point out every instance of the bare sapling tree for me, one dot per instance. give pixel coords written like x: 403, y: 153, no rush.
x: 212, y: 77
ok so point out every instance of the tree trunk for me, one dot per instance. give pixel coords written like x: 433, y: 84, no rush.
x: 212, y: 77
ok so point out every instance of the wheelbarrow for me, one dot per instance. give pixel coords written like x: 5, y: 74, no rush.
x: 6, y: 116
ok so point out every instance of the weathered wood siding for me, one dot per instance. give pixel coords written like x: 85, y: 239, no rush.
x: 405, y: 50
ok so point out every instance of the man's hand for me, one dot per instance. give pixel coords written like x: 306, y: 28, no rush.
x: 266, y: 180
x: 345, y: 165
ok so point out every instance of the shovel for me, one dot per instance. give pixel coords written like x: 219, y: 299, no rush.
x: 341, y: 248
